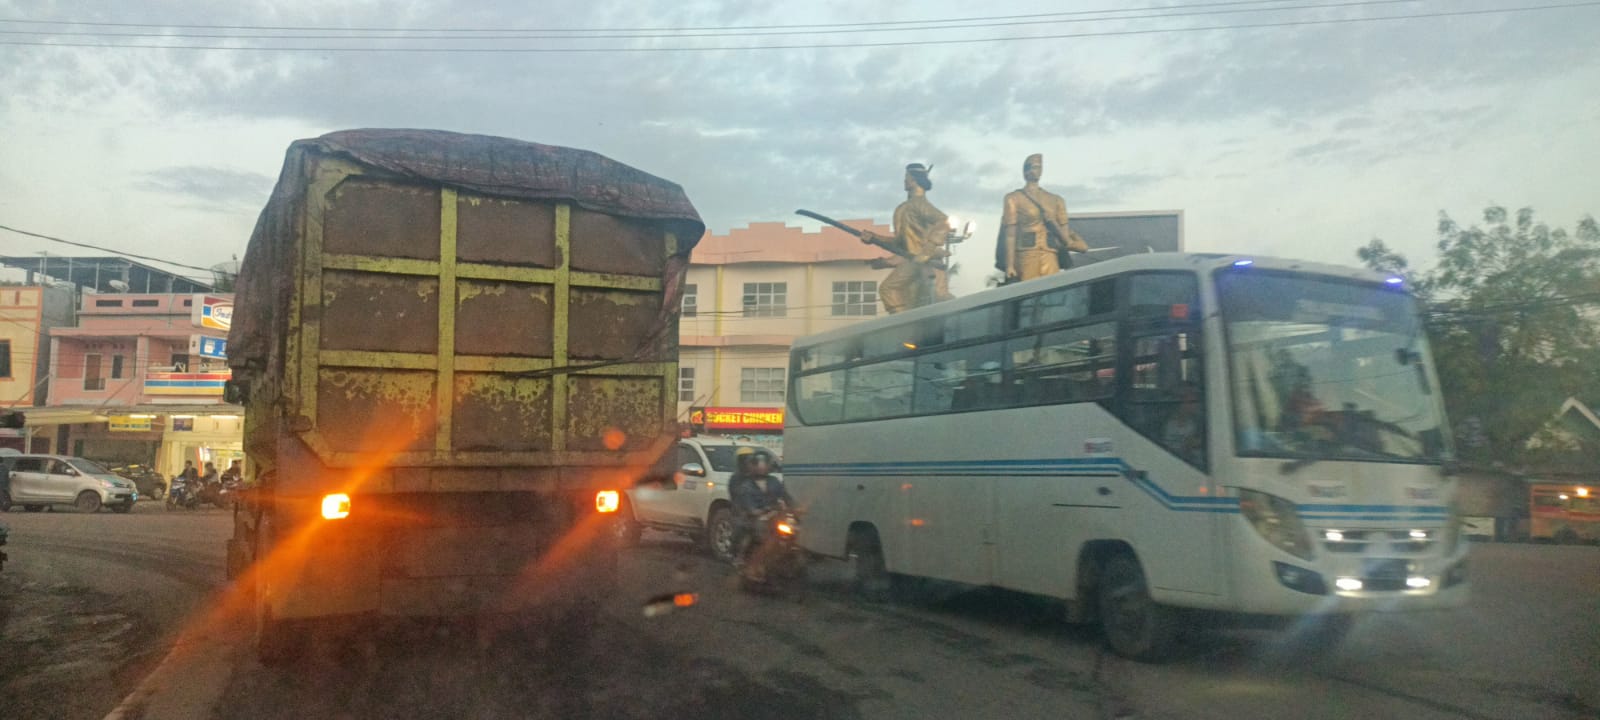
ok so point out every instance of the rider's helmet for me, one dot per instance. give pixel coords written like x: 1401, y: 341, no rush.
x: 747, y: 456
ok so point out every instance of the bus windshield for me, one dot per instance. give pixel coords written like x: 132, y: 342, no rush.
x: 1324, y: 369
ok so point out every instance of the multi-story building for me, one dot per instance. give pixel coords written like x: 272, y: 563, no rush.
x: 145, y: 374
x: 27, y: 314
x: 749, y: 294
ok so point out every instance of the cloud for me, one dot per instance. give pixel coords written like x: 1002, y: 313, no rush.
x: 218, y: 189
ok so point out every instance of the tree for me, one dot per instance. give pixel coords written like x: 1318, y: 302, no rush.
x: 1514, y: 311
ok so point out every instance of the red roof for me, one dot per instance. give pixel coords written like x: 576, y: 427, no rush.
x: 776, y: 242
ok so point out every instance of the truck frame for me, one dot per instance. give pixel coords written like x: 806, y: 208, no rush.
x: 454, y: 352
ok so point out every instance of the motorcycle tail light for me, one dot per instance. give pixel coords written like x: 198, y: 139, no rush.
x: 785, y: 529
x: 607, y: 501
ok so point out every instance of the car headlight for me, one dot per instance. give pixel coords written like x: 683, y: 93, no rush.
x: 1276, y: 520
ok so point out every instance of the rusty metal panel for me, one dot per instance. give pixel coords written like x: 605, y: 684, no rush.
x: 384, y: 313
x: 603, y: 243
x: 599, y: 408
x: 376, y: 411
x: 505, y: 232
x: 609, y: 324
x: 504, y: 318
x: 501, y: 413
x: 367, y: 217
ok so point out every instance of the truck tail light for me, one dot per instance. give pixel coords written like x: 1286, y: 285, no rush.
x: 607, y: 501
x: 335, y: 506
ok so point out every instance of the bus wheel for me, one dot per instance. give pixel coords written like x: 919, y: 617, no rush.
x: 869, y: 573
x: 1136, y: 627
x: 1567, y: 536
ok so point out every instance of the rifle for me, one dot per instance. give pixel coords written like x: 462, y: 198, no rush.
x: 891, y: 247
x: 857, y: 233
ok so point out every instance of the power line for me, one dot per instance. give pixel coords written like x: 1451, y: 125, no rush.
x: 877, y: 23
x: 109, y: 250
x: 635, y: 35
x: 815, y: 46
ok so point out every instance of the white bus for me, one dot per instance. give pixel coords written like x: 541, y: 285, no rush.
x: 1140, y: 437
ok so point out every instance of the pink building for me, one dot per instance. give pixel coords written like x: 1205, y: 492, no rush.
x: 142, y: 376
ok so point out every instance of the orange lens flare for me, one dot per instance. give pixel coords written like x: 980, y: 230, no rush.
x: 607, y: 501
x: 335, y: 506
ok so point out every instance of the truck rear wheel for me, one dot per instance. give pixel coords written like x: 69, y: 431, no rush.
x: 280, y: 642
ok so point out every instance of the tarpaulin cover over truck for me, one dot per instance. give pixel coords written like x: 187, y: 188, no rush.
x: 462, y: 300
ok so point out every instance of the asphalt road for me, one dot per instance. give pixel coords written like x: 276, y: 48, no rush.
x: 1528, y: 646
x: 90, y: 602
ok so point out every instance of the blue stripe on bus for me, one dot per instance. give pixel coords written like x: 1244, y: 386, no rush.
x: 1104, y: 467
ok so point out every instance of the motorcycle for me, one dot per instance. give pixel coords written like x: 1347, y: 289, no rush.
x: 3, y: 533
x: 228, y: 491
x: 181, y: 495
x: 774, y: 562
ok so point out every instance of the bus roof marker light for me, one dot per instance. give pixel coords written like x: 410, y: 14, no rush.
x: 1243, y: 263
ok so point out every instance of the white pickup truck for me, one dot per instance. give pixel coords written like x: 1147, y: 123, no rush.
x: 694, y: 504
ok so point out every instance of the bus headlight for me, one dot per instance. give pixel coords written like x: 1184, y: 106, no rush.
x: 1276, y: 520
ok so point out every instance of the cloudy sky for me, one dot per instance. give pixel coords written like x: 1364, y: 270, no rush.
x: 1298, y: 139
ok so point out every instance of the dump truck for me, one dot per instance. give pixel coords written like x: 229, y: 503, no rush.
x: 454, y: 351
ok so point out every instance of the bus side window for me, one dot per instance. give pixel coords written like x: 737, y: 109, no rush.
x: 1165, y: 400
x: 1063, y: 366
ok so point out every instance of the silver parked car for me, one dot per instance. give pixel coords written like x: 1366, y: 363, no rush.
x: 39, y: 481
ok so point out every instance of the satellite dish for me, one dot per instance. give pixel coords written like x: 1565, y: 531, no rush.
x: 118, y: 285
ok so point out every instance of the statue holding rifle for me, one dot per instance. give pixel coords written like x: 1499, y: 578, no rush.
x: 1034, y: 239
x: 921, y: 236
x: 920, y: 232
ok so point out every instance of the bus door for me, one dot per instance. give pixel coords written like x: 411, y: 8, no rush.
x: 1163, y: 397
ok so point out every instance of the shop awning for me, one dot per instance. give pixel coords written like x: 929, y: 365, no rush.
x: 71, y: 415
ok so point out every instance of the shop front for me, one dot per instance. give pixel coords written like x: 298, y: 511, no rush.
x: 760, y: 425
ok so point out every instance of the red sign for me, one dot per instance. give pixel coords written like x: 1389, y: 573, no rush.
x: 715, y: 418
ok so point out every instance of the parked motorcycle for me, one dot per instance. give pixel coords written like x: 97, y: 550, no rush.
x: 774, y: 562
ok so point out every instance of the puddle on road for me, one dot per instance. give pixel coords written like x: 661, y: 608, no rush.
x: 55, y: 641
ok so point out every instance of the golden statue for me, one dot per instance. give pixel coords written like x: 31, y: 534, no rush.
x: 1034, y: 238
x: 920, y: 234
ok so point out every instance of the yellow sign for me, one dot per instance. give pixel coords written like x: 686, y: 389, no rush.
x: 124, y: 423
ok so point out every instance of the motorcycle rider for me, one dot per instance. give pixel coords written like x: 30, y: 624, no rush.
x: 755, y: 491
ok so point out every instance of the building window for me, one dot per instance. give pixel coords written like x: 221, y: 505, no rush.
x: 766, y: 299
x: 691, y: 300
x: 854, y: 298
x: 180, y: 362
x: 686, y: 383
x: 5, y: 358
x: 761, y: 385
x: 116, y: 367
x: 92, y: 379
x: 146, y: 303
x: 108, y: 303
